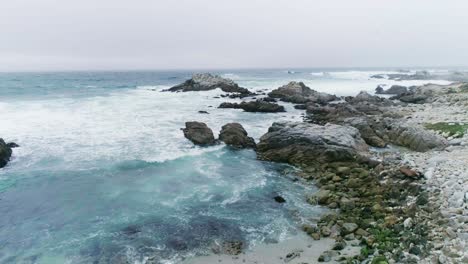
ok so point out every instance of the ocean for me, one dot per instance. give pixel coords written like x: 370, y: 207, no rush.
x: 103, y: 173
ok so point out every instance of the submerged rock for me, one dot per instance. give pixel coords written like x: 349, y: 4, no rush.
x: 5, y: 153
x: 207, y: 81
x: 255, y: 106
x: 234, y: 134
x: 199, y: 133
x: 304, y: 143
x: 299, y: 93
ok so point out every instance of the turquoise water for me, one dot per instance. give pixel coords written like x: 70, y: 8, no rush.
x: 104, y: 174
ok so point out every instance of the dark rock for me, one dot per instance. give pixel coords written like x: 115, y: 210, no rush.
x: 279, y: 199
x: 415, y: 250
x: 292, y: 255
x: 411, y: 97
x: 339, y: 245
x: 379, y: 90
x: 301, y: 106
x: 299, y: 93
x: 422, y: 199
x: 206, y: 81
x: 199, y: 133
x: 12, y: 145
x: 233, y: 134
x: 269, y: 99
x: 304, y: 143
x: 203, y: 112
x: 255, y: 106
x: 395, y: 89
x: 5, y: 153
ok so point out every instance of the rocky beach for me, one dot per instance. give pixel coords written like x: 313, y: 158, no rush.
x: 393, y: 171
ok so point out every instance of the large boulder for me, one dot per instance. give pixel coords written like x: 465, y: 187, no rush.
x: 413, y: 136
x: 299, y: 93
x: 255, y: 106
x: 199, y: 133
x: 207, y: 81
x: 234, y: 134
x: 304, y: 143
x: 5, y: 153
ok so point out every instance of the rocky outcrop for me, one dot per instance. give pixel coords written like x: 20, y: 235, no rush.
x: 378, y: 125
x: 413, y: 137
x: 425, y: 93
x: 5, y: 153
x: 395, y: 89
x: 234, y: 135
x: 299, y: 93
x: 206, y: 81
x: 255, y: 106
x: 304, y: 143
x: 365, y: 97
x: 199, y: 133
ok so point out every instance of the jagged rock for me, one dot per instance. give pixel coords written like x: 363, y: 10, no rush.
x: 5, y: 153
x: 305, y: 143
x: 299, y: 93
x: 207, y: 81
x: 395, y: 89
x: 13, y: 145
x: 376, y: 126
x: 255, y: 106
x: 199, y: 133
x: 233, y: 134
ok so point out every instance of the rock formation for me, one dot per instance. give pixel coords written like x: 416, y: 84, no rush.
x: 299, y: 93
x: 233, y: 134
x: 206, y: 81
x: 199, y: 133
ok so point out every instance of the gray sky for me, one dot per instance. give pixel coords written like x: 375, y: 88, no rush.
x: 170, y: 34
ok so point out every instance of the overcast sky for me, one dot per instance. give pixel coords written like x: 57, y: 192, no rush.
x: 172, y: 34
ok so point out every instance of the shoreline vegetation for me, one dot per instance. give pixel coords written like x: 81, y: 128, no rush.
x: 392, y: 170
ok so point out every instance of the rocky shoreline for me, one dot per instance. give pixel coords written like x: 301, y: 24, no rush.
x: 378, y: 165
x: 393, y: 171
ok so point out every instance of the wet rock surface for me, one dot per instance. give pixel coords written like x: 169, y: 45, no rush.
x: 302, y: 143
x: 199, y: 133
x: 5, y: 152
x: 259, y: 105
x: 234, y: 135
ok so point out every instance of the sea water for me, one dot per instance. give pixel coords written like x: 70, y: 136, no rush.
x: 103, y: 173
